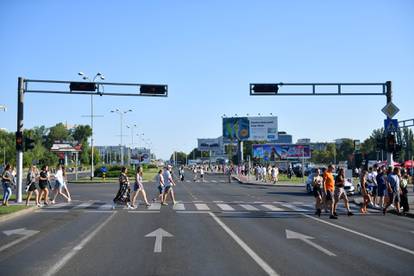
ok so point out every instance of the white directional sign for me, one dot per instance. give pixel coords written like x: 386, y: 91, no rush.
x: 159, y: 234
x: 25, y: 233
x: 390, y: 110
x: 298, y: 236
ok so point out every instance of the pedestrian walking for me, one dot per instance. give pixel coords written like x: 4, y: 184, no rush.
x: 123, y: 195
x: 44, y: 183
x: 7, y: 180
x: 160, y: 187
x: 372, y: 181
x: 168, y: 186
x: 393, y: 189
x: 59, y: 184
x: 195, y: 174
x: 65, y: 183
x: 202, y: 174
x: 31, y: 185
x: 181, y: 172
x: 139, y: 188
x: 404, y: 193
x: 366, y: 199
x: 340, y: 192
x: 329, y: 189
x: 381, y: 186
x: 317, y: 184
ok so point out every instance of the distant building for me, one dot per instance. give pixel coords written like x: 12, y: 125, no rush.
x: 283, y: 138
x: 304, y: 141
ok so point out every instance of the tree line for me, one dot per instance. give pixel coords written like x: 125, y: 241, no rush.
x: 44, y: 139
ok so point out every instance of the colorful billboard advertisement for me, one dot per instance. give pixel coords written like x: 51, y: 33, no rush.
x: 273, y: 152
x: 236, y: 129
x: 250, y: 129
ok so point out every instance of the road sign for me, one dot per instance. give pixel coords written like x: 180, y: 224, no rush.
x: 390, y: 110
x: 390, y: 125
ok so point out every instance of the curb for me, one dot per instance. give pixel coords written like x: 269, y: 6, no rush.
x: 17, y: 214
x: 409, y: 214
x: 267, y: 184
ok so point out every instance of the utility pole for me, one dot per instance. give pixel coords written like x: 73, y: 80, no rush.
x: 390, y: 160
x: 19, y: 150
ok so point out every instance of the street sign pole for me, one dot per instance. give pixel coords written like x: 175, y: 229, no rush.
x: 388, y: 85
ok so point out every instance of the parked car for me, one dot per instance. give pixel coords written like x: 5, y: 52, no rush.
x: 349, y: 187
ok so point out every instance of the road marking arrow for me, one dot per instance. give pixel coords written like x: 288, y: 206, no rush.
x: 22, y: 232
x: 159, y: 234
x: 294, y: 235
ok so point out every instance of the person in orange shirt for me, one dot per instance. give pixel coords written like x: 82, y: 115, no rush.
x: 329, y: 188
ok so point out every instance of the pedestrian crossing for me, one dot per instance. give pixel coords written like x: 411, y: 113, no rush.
x: 214, y: 206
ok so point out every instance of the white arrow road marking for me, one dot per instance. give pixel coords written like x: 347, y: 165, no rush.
x: 21, y: 231
x: 298, y: 236
x: 158, y: 234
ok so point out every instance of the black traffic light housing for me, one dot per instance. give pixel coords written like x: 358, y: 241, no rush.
x: 264, y: 89
x: 153, y: 89
x: 82, y: 86
x: 19, y: 141
x: 29, y: 143
x: 391, y: 142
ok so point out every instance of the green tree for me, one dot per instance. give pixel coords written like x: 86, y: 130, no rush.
x: 57, y: 132
x: 181, y: 157
x: 7, y: 147
x: 345, y: 150
x: 82, y: 133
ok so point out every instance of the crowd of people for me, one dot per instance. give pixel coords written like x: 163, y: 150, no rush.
x: 39, y: 183
x: 380, y: 187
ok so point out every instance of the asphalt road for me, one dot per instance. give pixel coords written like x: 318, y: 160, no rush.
x: 218, y: 228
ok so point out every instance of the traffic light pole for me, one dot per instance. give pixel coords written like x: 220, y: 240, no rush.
x: 75, y: 88
x: 390, y: 159
x: 19, y: 150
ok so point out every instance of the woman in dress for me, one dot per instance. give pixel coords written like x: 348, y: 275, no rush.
x: 123, y: 197
x: 366, y: 198
x: 32, y: 176
x: 139, y: 187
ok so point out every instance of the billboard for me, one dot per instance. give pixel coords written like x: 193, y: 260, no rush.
x: 236, y: 129
x: 263, y: 128
x: 250, y: 129
x: 207, y: 144
x: 273, y: 152
x: 140, y: 156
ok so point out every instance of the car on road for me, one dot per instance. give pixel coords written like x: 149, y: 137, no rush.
x: 349, y: 187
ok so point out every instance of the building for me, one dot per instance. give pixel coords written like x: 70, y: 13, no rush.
x: 283, y: 138
x: 112, y: 154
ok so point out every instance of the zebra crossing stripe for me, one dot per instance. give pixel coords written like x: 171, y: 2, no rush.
x: 105, y: 207
x: 214, y: 181
x: 225, y: 207
x: 59, y: 205
x: 201, y: 206
x: 272, y: 207
x: 249, y: 207
x: 292, y: 207
x: 84, y: 205
x: 155, y: 206
x: 179, y: 206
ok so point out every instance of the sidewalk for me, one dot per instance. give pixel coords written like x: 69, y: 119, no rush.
x: 357, y: 199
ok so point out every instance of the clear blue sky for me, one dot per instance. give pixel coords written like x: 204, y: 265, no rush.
x: 208, y: 52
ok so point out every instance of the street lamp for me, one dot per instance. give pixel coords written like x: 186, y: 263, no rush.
x: 3, y: 108
x: 121, y: 115
x: 84, y: 77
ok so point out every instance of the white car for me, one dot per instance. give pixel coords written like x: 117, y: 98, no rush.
x: 349, y: 187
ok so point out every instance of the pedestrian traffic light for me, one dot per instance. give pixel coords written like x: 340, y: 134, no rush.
x: 264, y: 89
x: 82, y: 86
x: 358, y: 160
x: 19, y: 141
x: 391, y: 142
x: 149, y: 89
x: 29, y: 143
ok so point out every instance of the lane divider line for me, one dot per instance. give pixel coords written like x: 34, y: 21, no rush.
x: 61, y: 263
x: 245, y: 247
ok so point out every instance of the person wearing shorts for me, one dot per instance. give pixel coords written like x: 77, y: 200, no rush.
x: 317, y: 181
x: 393, y: 183
x: 43, y: 184
x: 160, y: 187
x: 340, y: 192
x: 381, y: 186
x: 59, y: 185
x: 329, y: 188
x: 168, y: 183
x: 32, y: 186
x: 139, y: 188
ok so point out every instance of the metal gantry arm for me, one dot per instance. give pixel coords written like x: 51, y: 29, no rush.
x: 406, y: 123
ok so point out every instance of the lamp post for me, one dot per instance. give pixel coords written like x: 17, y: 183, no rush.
x: 84, y: 77
x: 121, y: 116
x: 132, y: 141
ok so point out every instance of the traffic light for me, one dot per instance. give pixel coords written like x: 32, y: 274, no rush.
x: 29, y: 143
x: 82, y: 86
x: 150, y: 89
x: 19, y: 141
x: 380, y: 144
x: 391, y: 142
x: 358, y: 160
x: 264, y: 89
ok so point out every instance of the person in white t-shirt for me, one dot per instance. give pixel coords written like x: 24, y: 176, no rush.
x: 202, y: 174
x: 59, y: 184
x: 168, y: 184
